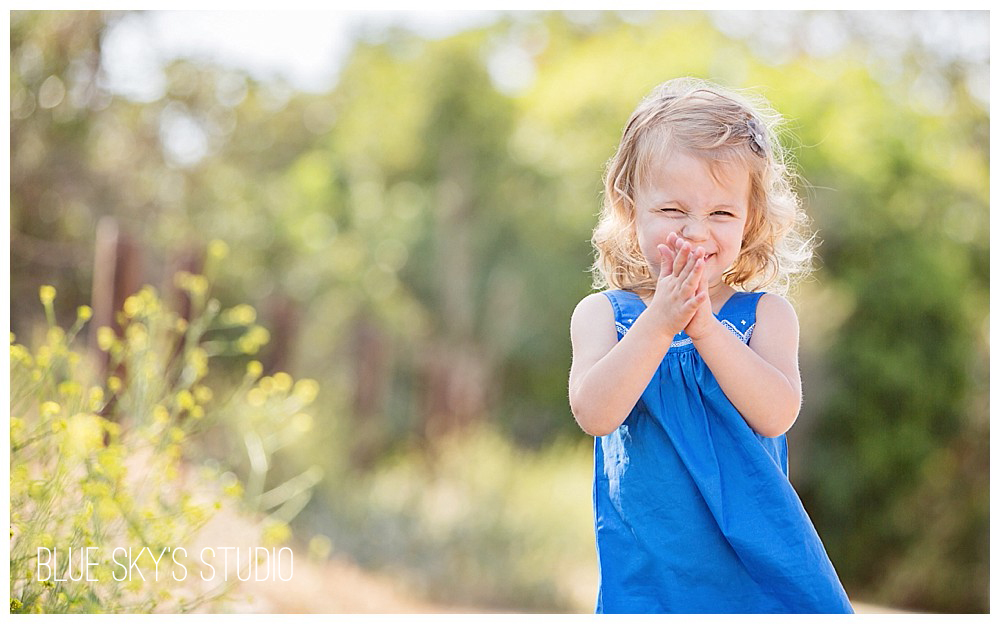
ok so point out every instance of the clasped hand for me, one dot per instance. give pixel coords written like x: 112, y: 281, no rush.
x: 681, y: 299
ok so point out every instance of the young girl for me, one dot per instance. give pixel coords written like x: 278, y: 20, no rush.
x: 687, y: 373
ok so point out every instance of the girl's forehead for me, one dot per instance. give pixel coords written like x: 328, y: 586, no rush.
x: 681, y: 171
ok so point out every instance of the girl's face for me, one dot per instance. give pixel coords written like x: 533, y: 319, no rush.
x: 710, y: 211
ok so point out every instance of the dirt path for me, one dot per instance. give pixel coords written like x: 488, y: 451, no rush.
x: 332, y: 586
x: 336, y: 585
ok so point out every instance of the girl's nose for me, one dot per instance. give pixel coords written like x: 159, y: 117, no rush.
x: 694, y: 230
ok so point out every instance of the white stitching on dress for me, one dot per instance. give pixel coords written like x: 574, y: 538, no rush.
x: 683, y: 342
x: 743, y: 336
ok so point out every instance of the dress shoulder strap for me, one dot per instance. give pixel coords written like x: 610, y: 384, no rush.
x: 628, y: 306
x: 739, y: 314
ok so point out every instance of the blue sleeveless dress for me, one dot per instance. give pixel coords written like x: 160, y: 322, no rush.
x: 693, y: 510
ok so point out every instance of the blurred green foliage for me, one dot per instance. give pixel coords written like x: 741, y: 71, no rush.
x: 478, y: 522
x: 427, y: 223
x: 125, y: 454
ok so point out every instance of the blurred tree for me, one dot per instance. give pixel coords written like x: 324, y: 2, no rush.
x: 896, y: 448
x: 55, y: 106
x: 905, y: 242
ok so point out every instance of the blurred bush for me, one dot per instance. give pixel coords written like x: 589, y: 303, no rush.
x: 115, y: 454
x: 477, y: 522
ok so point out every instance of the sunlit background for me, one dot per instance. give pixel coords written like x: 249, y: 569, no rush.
x: 392, y: 212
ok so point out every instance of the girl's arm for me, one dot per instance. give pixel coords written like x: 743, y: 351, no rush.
x: 608, y: 376
x: 762, y: 380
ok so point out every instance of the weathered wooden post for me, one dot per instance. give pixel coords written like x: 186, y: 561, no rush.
x: 117, y: 274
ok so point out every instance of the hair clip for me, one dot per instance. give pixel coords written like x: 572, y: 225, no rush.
x: 758, y: 142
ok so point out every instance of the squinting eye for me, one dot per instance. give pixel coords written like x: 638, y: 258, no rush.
x: 672, y: 211
x: 722, y: 213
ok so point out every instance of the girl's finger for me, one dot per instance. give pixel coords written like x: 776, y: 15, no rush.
x: 681, y: 257
x: 687, y: 275
x: 666, y: 260
x: 692, y: 275
x: 700, y: 298
x: 667, y: 254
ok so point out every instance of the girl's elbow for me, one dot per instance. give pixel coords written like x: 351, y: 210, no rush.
x: 591, y: 424
x: 773, y: 431
x: 780, y: 423
x: 589, y: 421
x: 598, y: 430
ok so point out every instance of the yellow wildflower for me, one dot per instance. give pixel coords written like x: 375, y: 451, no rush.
x: 282, y: 382
x: 275, y: 533
x: 16, y: 426
x: 199, y: 285
x: 218, y: 249
x: 184, y: 400
x: 137, y: 336
x: 43, y: 357
x: 203, y: 394
x: 21, y: 354
x: 70, y: 388
x: 242, y: 314
x: 105, y: 338
x: 132, y: 306
x: 111, y: 460
x: 255, y: 337
x: 197, y: 359
x: 96, y: 397
x: 160, y: 415
x: 96, y: 490
x: 254, y: 369
x: 320, y: 546
x: 47, y: 294
x: 55, y: 336
x: 306, y: 390
x: 84, y: 434
x: 256, y: 397
x: 230, y: 485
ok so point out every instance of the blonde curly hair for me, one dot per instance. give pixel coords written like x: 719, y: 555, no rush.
x: 725, y: 128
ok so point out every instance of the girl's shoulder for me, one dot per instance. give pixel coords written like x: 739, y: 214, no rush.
x: 595, y: 308
x: 776, y: 321
x: 607, y: 308
x: 609, y: 299
x: 761, y: 301
x: 592, y: 327
x: 772, y: 304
